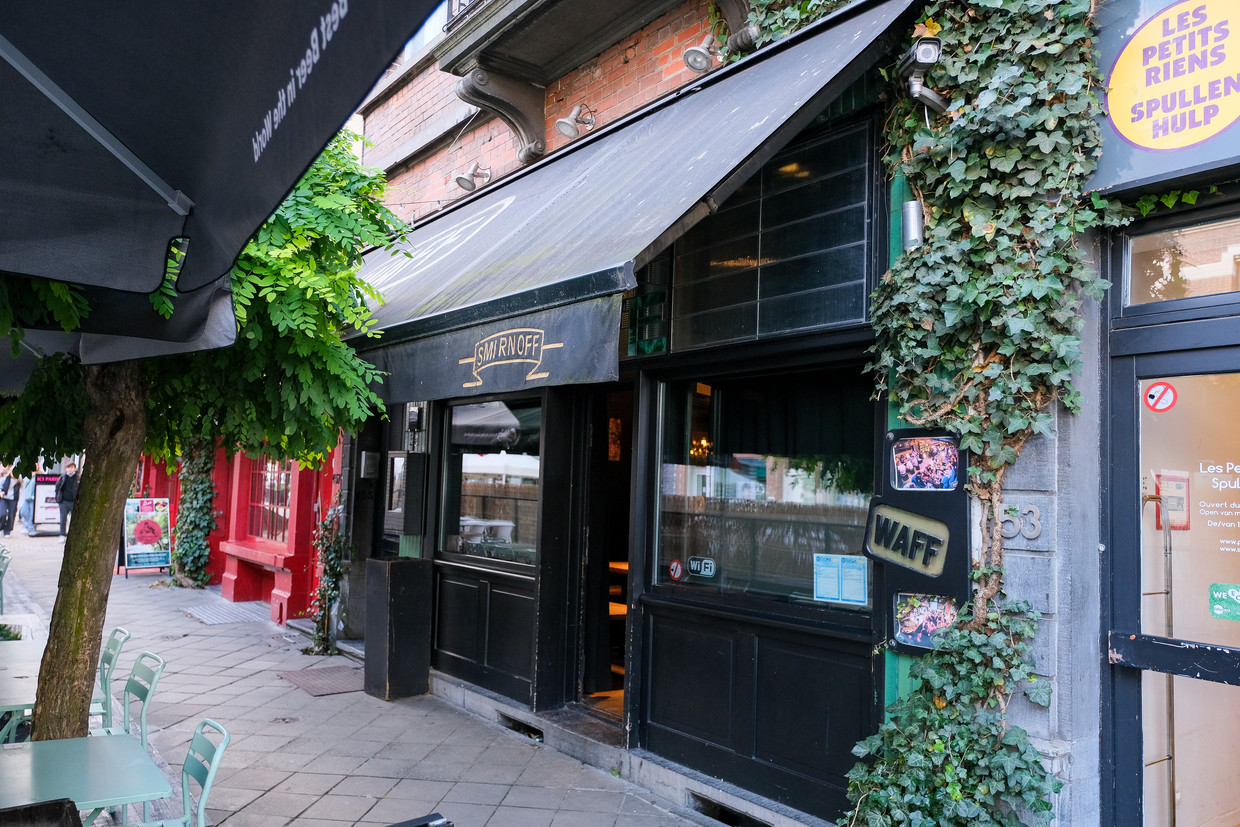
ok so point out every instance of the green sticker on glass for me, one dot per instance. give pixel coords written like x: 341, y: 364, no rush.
x: 1225, y: 601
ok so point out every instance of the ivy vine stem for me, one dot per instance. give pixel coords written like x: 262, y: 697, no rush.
x: 332, y: 548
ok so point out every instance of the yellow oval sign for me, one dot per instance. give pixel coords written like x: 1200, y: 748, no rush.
x: 1177, y: 81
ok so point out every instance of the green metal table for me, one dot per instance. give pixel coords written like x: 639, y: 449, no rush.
x: 19, y: 655
x: 96, y: 773
x: 19, y: 680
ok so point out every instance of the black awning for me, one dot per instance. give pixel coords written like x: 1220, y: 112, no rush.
x: 577, y: 225
x: 571, y: 344
x: 589, y: 214
x: 122, y: 128
x: 125, y: 127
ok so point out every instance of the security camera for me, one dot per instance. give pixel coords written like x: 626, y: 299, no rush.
x: 921, y: 58
x: 914, y: 65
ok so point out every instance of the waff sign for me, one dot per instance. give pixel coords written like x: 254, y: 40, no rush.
x: 910, y: 540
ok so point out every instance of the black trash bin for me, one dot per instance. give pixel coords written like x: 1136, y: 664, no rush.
x: 59, y: 813
x: 398, y: 627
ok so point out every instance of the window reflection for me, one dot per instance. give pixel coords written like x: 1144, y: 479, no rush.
x: 491, y: 482
x: 1186, y: 262
x: 758, y: 476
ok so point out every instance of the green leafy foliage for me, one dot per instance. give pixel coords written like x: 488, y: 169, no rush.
x: 979, y: 328
x: 774, y: 19
x: 777, y: 19
x: 332, y: 549
x: 164, y: 297
x: 40, y: 303
x: 946, y: 755
x: 196, y: 512
x: 978, y: 331
x: 1150, y: 202
x: 290, y: 384
x: 47, y: 419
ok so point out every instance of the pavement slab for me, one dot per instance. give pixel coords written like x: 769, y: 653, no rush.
x: 341, y: 759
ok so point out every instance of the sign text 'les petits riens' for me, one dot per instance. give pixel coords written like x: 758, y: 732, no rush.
x: 320, y: 37
x: 1176, y: 82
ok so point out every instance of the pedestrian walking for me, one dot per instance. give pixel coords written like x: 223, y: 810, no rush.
x: 25, y: 509
x: 66, y: 493
x: 9, y: 487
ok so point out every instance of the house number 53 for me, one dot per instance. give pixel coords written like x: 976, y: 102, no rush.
x: 1025, y: 520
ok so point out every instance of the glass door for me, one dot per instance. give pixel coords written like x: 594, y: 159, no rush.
x: 1175, y: 636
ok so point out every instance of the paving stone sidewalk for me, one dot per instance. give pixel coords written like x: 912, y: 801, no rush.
x: 348, y: 758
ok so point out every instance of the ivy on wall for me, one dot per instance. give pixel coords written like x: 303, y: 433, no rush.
x: 978, y: 331
x: 331, y: 548
x: 195, y: 513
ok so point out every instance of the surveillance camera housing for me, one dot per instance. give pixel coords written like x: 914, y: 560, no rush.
x: 921, y: 58
x: 930, y: 99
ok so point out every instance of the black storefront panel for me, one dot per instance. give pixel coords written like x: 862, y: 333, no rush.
x: 483, y: 623
x: 758, y: 703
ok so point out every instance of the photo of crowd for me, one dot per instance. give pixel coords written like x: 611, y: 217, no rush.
x: 919, y: 617
x: 926, y: 463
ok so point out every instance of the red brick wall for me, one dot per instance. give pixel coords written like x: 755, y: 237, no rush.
x: 407, y: 110
x: 643, y: 66
x: 424, y: 187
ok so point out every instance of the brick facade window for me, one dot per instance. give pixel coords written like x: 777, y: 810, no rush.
x: 270, y: 483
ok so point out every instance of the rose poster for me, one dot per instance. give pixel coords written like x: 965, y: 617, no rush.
x: 148, y: 540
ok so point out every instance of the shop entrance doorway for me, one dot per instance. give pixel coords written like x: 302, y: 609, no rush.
x: 1174, y: 636
x: 605, y: 569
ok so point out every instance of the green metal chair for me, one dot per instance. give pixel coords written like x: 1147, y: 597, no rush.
x: 201, y: 762
x: 107, y: 664
x: 143, y: 678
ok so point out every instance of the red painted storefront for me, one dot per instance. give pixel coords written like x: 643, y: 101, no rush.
x: 266, y: 513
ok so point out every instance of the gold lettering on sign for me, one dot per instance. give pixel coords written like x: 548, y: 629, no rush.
x: 913, y: 541
x: 524, y: 344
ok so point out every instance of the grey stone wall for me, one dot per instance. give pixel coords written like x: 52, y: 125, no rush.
x: 1057, y: 569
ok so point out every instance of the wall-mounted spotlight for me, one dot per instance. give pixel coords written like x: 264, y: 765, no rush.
x: 582, y: 115
x: 701, y: 58
x: 468, y: 181
x: 914, y: 65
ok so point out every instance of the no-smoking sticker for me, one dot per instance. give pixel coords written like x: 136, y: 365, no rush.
x: 1160, y: 397
x: 676, y: 569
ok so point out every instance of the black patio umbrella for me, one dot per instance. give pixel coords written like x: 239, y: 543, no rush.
x: 126, y: 126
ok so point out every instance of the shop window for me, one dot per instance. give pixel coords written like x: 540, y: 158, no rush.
x: 786, y: 253
x: 491, y: 482
x: 765, y: 485
x: 1184, y: 262
x: 270, y: 483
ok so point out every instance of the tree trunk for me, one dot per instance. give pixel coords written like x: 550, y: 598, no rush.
x: 114, y: 432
